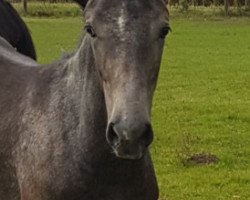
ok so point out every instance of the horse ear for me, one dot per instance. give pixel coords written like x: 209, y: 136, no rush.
x: 82, y: 3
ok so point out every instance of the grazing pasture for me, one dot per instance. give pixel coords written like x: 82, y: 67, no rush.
x: 202, y: 103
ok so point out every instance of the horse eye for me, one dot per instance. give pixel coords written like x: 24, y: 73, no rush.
x: 89, y: 29
x: 164, y: 32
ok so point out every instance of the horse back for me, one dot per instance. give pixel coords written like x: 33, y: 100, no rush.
x: 16, y: 74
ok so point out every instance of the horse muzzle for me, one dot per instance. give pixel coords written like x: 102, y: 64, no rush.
x: 129, y: 140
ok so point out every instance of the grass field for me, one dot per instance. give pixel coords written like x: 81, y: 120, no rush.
x: 202, y: 103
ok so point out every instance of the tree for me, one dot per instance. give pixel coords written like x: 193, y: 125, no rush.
x: 226, y: 4
x: 25, y: 6
x: 247, y: 4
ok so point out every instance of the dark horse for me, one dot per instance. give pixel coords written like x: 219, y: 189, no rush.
x: 14, y: 30
x: 79, y: 128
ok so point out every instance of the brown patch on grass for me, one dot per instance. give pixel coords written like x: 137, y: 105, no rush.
x: 203, y: 159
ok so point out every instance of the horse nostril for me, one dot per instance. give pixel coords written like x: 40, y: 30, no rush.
x: 147, y: 135
x: 129, y: 140
x: 112, y: 136
x: 143, y: 134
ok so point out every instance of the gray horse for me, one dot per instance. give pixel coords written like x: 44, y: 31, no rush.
x: 79, y: 128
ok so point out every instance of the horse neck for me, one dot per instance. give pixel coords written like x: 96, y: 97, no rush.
x: 92, y: 109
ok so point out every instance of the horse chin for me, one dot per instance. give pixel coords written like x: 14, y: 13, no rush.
x: 128, y: 156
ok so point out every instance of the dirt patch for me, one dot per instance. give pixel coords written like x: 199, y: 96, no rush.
x: 203, y: 159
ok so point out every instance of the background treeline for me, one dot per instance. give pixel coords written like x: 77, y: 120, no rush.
x: 225, y: 4
x: 209, y: 2
x: 202, y: 7
x: 170, y: 2
x: 45, y: 1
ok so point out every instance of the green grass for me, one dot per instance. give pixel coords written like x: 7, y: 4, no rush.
x: 202, y: 103
x: 54, y: 37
